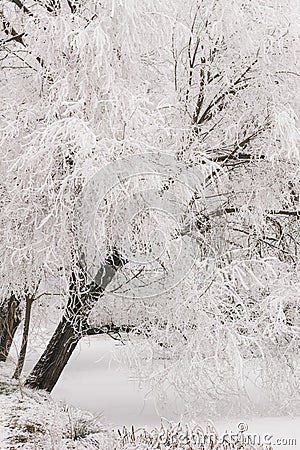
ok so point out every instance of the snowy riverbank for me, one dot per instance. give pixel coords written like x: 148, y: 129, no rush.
x: 95, y: 382
x: 32, y: 420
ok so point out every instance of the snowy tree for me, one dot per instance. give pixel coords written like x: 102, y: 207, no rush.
x: 151, y: 163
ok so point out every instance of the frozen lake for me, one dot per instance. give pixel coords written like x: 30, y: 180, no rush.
x: 94, y: 381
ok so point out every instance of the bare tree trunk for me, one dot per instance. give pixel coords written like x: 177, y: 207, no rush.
x: 57, y: 354
x: 10, y: 319
x: 22, y: 354
x: 71, y: 328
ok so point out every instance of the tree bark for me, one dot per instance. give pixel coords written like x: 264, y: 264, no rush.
x: 57, y: 354
x: 10, y: 319
x: 22, y: 354
x: 71, y: 328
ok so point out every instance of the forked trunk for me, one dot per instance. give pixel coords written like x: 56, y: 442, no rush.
x: 68, y: 333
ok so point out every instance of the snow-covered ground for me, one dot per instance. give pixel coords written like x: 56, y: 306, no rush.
x: 31, y: 420
x: 94, y: 381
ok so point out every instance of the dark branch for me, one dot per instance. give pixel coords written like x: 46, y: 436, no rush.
x: 52, y: 5
x: 242, y: 144
x: 219, y: 101
x: 72, y: 6
x: 16, y: 37
x: 21, y: 6
x: 115, y: 259
x: 238, y: 157
x: 108, y: 329
x: 10, y: 31
x: 281, y: 212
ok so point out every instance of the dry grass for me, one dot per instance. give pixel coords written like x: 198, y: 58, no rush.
x: 172, y: 436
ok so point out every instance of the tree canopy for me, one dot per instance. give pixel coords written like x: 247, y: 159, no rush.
x: 150, y: 175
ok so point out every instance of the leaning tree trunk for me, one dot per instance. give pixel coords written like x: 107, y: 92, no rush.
x: 10, y: 319
x: 69, y: 331
x: 51, y: 364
